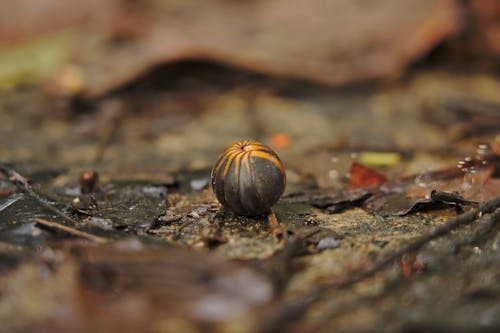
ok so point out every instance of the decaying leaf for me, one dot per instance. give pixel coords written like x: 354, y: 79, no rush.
x: 361, y: 176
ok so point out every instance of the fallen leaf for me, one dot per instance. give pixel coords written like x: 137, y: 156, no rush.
x: 341, y: 201
x: 362, y: 176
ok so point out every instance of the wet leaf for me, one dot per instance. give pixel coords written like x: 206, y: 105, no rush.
x: 362, y: 176
x: 396, y: 204
x: 341, y: 201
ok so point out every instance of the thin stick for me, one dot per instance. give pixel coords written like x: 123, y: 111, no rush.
x: 22, y: 184
x: 69, y: 230
x: 177, y: 232
x: 432, y: 234
x: 296, y: 308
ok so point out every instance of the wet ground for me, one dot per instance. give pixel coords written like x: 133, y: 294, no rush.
x: 159, y: 253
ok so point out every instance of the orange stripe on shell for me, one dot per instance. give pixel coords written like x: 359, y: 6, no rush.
x: 271, y: 158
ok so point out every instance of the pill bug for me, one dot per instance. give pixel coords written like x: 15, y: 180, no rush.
x: 248, y: 178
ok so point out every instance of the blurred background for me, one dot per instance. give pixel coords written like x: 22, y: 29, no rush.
x: 177, y: 81
x: 146, y: 89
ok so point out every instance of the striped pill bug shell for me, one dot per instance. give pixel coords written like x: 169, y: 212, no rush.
x: 248, y: 178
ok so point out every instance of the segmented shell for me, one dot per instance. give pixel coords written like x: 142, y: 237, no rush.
x: 248, y: 178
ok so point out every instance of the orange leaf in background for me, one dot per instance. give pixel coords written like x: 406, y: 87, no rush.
x: 280, y: 140
x: 363, y: 176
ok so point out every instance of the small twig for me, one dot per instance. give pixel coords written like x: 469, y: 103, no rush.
x: 480, y: 234
x: 275, y: 227
x: 22, y: 184
x: 296, y: 308
x: 177, y: 232
x: 10, y: 200
x: 69, y: 230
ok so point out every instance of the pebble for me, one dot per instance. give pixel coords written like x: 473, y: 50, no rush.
x: 328, y: 243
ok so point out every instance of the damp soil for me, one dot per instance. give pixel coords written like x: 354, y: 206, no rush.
x: 172, y: 259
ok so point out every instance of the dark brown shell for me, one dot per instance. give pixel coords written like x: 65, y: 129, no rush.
x: 248, y: 178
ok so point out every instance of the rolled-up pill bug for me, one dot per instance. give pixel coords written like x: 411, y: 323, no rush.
x: 248, y: 178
